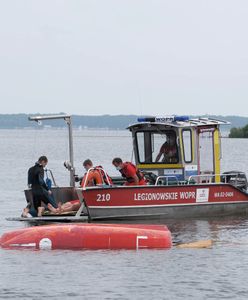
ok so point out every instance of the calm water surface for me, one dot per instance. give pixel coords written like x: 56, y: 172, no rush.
x: 217, y: 273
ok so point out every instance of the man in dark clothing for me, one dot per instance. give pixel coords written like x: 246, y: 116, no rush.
x: 40, y: 190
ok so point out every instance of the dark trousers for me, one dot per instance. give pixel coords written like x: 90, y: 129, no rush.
x: 42, y: 195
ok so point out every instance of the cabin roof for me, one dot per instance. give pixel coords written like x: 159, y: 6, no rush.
x: 195, y: 122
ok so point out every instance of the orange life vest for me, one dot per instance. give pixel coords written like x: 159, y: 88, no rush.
x: 125, y: 174
x: 106, y: 178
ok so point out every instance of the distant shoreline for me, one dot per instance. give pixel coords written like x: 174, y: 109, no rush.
x: 104, y: 122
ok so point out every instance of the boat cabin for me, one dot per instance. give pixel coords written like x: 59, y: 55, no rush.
x: 177, y: 147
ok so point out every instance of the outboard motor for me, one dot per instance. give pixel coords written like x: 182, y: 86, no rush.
x: 235, y: 178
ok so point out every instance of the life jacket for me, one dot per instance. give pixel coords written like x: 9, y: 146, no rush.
x: 106, y: 178
x: 137, y: 171
x: 93, y: 178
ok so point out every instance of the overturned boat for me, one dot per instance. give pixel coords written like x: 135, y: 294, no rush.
x: 184, y: 179
x: 88, y: 237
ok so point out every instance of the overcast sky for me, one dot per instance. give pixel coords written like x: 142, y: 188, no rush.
x: 124, y: 56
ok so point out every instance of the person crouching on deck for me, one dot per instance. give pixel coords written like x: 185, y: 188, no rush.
x: 129, y: 171
x: 93, y: 176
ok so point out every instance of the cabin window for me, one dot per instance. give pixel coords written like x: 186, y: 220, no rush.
x: 165, y: 147
x: 157, y: 147
x: 141, y: 148
x: 187, y: 145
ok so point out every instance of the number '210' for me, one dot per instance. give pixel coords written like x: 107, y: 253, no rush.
x: 103, y: 197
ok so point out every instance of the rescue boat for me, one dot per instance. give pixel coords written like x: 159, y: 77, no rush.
x: 88, y: 236
x: 186, y: 183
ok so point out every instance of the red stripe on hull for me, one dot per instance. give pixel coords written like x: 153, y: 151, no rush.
x: 161, y: 195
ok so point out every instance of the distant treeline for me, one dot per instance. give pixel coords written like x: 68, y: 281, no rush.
x: 11, y: 121
x: 240, y: 132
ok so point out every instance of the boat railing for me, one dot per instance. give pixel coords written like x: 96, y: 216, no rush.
x: 166, y: 179
x: 88, y: 172
x: 81, y: 199
x: 210, y: 178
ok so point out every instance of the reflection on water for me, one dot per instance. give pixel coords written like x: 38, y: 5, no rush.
x: 216, y: 273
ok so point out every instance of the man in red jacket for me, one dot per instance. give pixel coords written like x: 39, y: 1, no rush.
x: 129, y: 171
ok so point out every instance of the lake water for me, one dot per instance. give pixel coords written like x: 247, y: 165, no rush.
x: 216, y: 273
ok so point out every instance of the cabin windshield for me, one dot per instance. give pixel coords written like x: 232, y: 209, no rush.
x: 157, y: 147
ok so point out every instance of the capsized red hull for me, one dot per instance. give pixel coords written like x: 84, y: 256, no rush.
x: 89, y: 236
